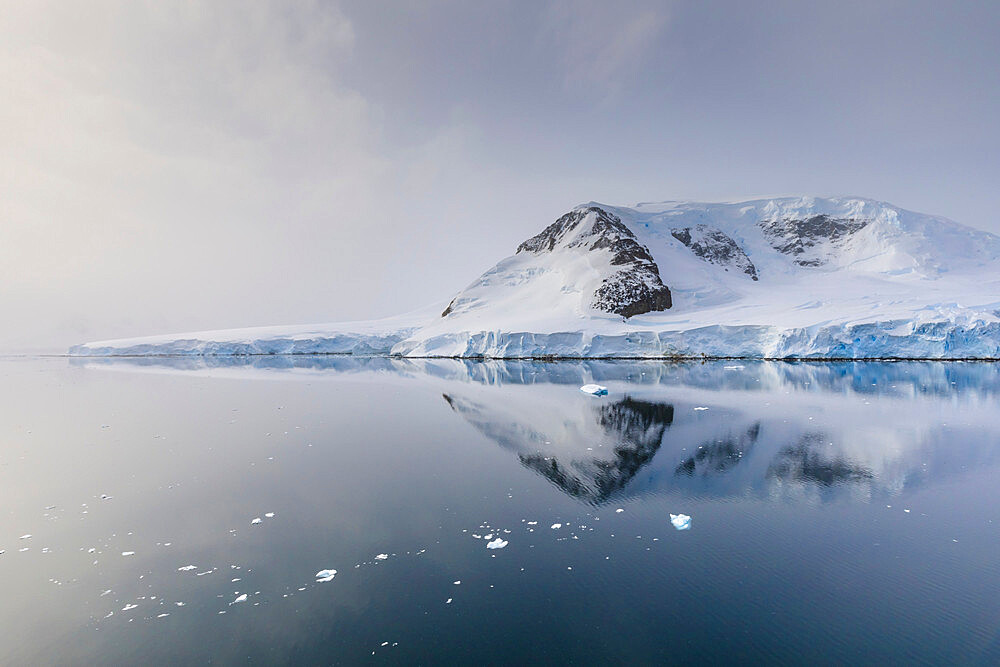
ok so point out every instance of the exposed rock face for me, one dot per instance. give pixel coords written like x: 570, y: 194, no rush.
x: 803, y: 238
x: 715, y: 247
x: 634, y: 289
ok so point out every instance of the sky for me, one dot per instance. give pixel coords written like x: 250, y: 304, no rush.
x: 182, y: 166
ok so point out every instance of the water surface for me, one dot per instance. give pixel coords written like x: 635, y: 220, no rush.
x: 840, y: 511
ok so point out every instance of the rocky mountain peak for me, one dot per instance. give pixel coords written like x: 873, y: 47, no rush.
x: 636, y: 287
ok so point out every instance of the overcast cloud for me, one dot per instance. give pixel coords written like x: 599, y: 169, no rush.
x: 181, y: 166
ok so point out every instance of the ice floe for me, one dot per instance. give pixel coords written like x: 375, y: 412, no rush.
x: 324, y: 576
x: 498, y: 543
x: 594, y: 390
x: 680, y: 521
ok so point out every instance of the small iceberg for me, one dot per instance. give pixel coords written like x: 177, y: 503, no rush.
x: 324, y: 576
x: 681, y: 521
x: 497, y: 544
x: 594, y: 390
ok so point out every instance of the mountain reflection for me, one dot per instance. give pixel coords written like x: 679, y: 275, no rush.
x: 803, y: 462
x: 713, y: 429
x: 719, y: 456
x: 632, y: 430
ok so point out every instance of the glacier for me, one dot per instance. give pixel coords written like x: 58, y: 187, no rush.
x: 777, y: 278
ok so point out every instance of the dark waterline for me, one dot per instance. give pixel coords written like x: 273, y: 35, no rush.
x: 842, y: 512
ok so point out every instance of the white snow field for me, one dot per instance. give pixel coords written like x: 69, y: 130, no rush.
x: 793, y: 277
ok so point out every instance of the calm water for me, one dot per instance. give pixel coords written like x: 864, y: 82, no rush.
x: 840, y: 512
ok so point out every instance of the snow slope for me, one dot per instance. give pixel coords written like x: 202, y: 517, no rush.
x: 785, y: 277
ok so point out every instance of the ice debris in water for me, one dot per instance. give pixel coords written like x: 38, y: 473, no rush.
x: 324, y: 576
x: 680, y: 521
x: 241, y: 598
x: 619, y: 510
x: 269, y: 515
x: 594, y: 390
x: 25, y: 537
x: 556, y: 526
x: 187, y: 567
x: 497, y: 544
x: 382, y: 557
x: 128, y: 553
x: 701, y: 407
x: 255, y: 521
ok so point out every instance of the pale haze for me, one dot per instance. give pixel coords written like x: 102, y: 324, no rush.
x: 169, y: 167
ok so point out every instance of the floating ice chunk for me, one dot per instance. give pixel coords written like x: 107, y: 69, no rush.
x: 457, y: 582
x: 241, y: 598
x: 187, y: 567
x: 733, y: 368
x: 680, y: 521
x: 256, y: 521
x: 556, y: 526
x: 497, y: 544
x: 128, y: 553
x: 129, y: 606
x: 594, y: 390
x: 25, y: 537
x: 701, y: 407
x: 382, y: 557
x: 269, y: 515
x: 162, y: 615
x: 448, y: 601
x: 619, y: 510
x: 488, y: 537
x: 324, y: 576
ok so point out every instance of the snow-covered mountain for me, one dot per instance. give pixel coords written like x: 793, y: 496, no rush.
x: 785, y: 277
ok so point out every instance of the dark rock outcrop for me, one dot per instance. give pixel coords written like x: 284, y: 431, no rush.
x: 715, y: 247
x: 797, y: 237
x: 635, y: 288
